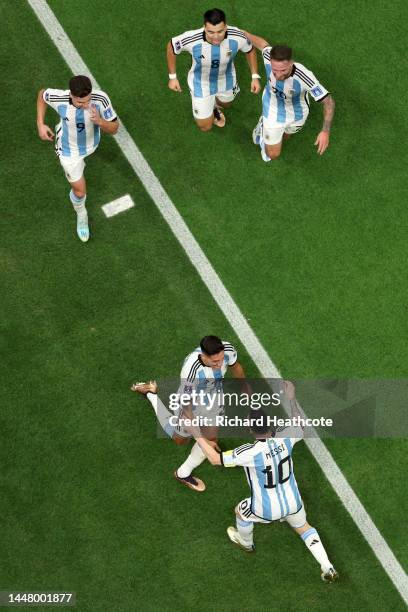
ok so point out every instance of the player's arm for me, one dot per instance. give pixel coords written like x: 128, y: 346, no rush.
x: 289, y: 389
x: 253, y: 66
x: 109, y: 127
x: 238, y: 372
x: 171, y: 65
x: 323, y: 138
x: 44, y: 131
x: 257, y: 41
x: 213, y: 457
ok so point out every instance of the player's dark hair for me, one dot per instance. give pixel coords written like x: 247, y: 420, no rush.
x: 280, y: 53
x: 211, y: 345
x: 214, y: 16
x: 259, y: 422
x: 80, y: 86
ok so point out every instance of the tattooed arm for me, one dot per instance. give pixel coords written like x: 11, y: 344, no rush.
x: 322, y: 140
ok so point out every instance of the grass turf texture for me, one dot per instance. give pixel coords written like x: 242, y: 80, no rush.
x: 89, y: 503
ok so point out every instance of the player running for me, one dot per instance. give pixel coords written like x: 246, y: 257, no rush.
x: 84, y: 113
x: 285, y: 100
x: 203, y: 370
x: 274, y: 491
x: 212, y: 78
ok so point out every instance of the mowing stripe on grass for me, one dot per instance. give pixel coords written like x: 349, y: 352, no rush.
x: 227, y: 305
x: 116, y: 206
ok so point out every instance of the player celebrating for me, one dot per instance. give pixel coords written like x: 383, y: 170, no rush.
x: 83, y: 114
x: 212, y: 78
x: 203, y: 370
x: 274, y: 491
x: 285, y: 100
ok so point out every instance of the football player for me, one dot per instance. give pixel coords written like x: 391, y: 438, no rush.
x: 203, y: 370
x: 212, y: 78
x: 274, y: 492
x: 83, y: 113
x: 285, y: 100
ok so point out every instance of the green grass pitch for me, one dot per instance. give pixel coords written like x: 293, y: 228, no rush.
x: 312, y: 250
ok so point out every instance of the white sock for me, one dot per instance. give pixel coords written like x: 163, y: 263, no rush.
x: 262, y: 145
x: 312, y: 541
x: 163, y: 415
x: 246, y: 531
x: 195, y: 458
x: 77, y: 203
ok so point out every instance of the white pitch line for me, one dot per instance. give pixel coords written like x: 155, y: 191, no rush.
x: 117, y: 206
x: 227, y: 305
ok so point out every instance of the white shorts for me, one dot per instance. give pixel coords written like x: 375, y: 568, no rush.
x: 203, y: 107
x: 273, y: 133
x: 295, y: 520
x: 73, y: 167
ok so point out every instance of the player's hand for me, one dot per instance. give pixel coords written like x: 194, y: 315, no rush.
x: 144, y: 388
x: 322, y: 142
x: 95, y: 115
x: 289, y: 389
x: 255, y: 86
x: 174, y: 85
x: 214, y: 444
x: 45, y: 132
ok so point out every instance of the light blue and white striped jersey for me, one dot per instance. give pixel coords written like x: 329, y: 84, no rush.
x: 76, y: 135
x: 195, y: 375
x: 287, y: 101
x: 213, y: 69
x: 269, y: 470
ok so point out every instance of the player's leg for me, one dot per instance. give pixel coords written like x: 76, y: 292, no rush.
x: 78, y: 199
x: 223, y: 104
x: 313, y: 543
x: 74, y: 171
x: 184, y: 473
x: 293, y: 128
x: 243, y: 534
x: 269, y: 138
x: 196, y: 458
x: 226, y: 98
x: 206, y: 113
x: 164, y: 416
x: 271, y: 141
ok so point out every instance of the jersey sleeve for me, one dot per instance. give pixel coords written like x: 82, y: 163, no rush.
x: 318, y: 91
x: 243, y: 456
x: 310, y: 83
x: 181, y: 43
x: 266, y: 55
x: 55, y: 97
x: 106, y: 109
x: 244, y: 44
x: 230, y: 354
x: 188, y: 371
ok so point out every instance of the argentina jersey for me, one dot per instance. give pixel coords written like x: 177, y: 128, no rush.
x: 76, y: 135
x: 212, y: 69
x: 196, y: 377
x: 269, y: 471
x: 285, y: 102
